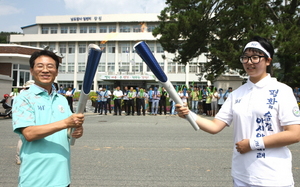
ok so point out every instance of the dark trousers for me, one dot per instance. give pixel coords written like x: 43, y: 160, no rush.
x: 117, y: 106
x: 125, y: 106
x: 70, y: 102
x: 150, y: 106
x: 103, y: 106
x: 130, y: 107
x: 140, y: 103
x: 162, y: 103
x: 97, y: 107
x: 108, y: 105
x: 204, y: 106
x: 138, y: 106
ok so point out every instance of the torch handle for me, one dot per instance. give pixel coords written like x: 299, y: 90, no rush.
x: 174, y: 95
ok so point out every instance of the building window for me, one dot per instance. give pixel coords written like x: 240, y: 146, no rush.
x: 83, y: 29
x: 53, y: 30
x: 70, y: 66
x: 101, y: 67
x: 171, y: 67
x: 181, y: 68
x: 52, y: 46
x: 193, y: 67
x: 111, y: 67
x: 124, y: 66
x: 162, y: 65
x: 82, y: 48
x: 73, y: 29
x: 125, y: 28
x: 150, y: 28
x: 137, y: 67
x: 81, y: 66
x: 151, y: 46
x: 62, y: 48
x: 103, y: 29
x: 62, y: 67
x: 92, y: 29
x: 64, y: 30
x: 71, y: 47
x: 112, y: 28
x: 159, y: 48
x: 111, y: 48
x: 137, y: 28
x: 45, y: 30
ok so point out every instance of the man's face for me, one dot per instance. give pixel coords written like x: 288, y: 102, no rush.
x: 44, y: 71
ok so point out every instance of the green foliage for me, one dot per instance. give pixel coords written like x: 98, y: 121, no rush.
x: 190, y: 28
x: 76, y: 96
x: 4, y: 36
x: 93, y: 96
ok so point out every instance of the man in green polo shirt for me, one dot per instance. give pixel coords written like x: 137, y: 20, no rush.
x: 41, y: 117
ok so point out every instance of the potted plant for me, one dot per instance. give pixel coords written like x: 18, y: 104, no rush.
x: 93, y: 98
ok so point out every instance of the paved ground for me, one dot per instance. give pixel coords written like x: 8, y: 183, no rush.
x: 140, y: 151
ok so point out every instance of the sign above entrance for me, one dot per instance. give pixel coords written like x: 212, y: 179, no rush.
x: 127, y: 77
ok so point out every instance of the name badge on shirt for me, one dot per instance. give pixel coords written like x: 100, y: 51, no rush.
x: 61, y: 109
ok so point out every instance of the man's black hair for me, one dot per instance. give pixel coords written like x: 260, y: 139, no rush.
x: 37, y: 54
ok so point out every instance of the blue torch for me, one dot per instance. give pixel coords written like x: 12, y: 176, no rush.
x: 145, y: 53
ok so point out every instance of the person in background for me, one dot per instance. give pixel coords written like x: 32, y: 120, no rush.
x: 118, y: 94
x: 163, y: 101
x: 98, y: 101
x: 220, y: 98
x: 69, y: 95
x: 125, y: 99
x: 131, y: 96
x: 265, y: 118
x: 41, y: 118
x: 141, y: 96
x: 103, y: 104
x: 228, y: 92
x: 61, y: 91
x: 214, y: 102
x: 12, y: 95
x: 150, y: 99
x: 109, y: 100
x: 155, y: 101
x: 194, y: 95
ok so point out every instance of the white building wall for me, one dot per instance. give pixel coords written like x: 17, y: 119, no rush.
x: 120, y: 60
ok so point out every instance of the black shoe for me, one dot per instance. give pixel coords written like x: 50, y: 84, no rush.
x: 105, y: 113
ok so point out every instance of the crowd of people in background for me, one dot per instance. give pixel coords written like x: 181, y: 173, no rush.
x: 203, y: 100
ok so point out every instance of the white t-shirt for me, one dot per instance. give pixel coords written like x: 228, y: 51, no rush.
x: 118, y: 93
x: 255, y: 110
x: 184, y: 99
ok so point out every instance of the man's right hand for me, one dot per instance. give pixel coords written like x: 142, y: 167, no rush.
x: 74, y: 121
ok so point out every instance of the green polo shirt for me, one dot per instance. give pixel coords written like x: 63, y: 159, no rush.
x: 45, y: 162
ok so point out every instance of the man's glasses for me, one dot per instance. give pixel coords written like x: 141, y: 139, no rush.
x: 42, y: 66
x: 255, y: 59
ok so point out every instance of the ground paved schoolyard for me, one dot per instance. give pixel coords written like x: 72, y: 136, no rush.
x: 140, y: 151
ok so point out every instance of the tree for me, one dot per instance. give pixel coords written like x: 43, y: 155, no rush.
x: 286, y: 17
x: 222, y: 28
x: 5, y: 35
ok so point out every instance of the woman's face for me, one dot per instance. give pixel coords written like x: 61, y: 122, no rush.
x: 256, y: 71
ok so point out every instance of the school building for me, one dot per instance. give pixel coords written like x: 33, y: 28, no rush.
x: 116, y: 34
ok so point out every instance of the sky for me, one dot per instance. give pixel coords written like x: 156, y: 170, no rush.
x: 15, y: 14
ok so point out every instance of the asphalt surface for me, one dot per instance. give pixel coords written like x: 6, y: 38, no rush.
x: 140, y: 151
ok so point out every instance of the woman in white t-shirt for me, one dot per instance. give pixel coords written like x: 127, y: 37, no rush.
x: 266, y: 119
